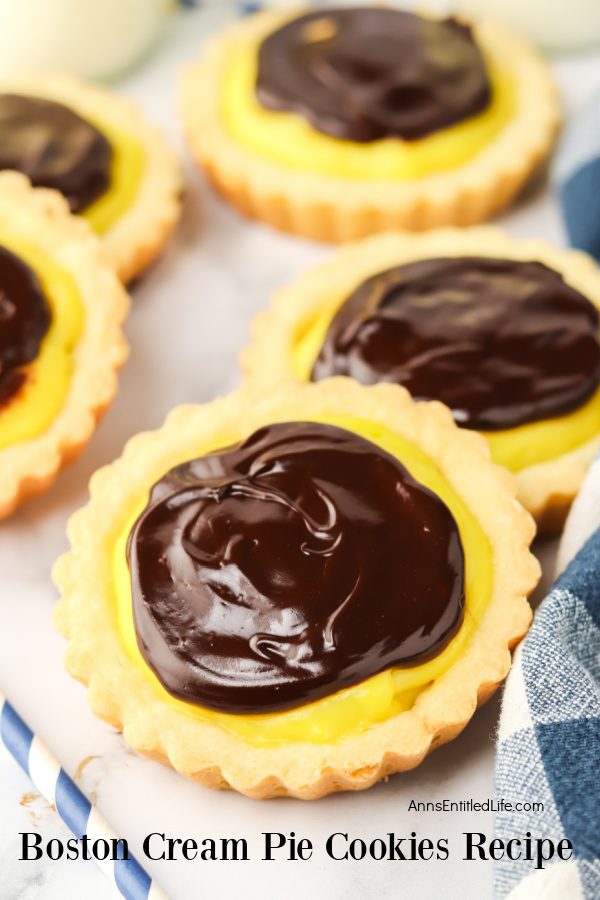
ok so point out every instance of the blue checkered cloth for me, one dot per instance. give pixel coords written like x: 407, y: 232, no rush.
x: 549, y: 736
x: 577, y: 178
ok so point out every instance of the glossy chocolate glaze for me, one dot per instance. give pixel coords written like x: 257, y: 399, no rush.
x: 282, y: 569
x: 24, y: 320
x: 55, y: 148
x: 500, y: 342
x: 366, y: 73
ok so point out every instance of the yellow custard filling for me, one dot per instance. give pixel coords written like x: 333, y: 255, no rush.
x: 355, y: 708
x: 289, y: 139
x: 539, y: 442
x: 40, y: 399
x: 515, y: 448
x: 126, y: 175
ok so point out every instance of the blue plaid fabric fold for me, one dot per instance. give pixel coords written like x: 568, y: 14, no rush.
x: 549, y: 736
x: 577, y: 178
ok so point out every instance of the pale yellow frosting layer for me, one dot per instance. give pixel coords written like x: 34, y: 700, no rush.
x: 126, y: 175
x: 39, y: 401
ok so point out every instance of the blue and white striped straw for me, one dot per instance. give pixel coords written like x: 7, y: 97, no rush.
x: 73, y: 807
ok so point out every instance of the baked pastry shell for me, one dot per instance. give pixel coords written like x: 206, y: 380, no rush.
x: 547, y: 489
x: 121, y: 694
x: 137, y: 237
x: 329, y: 209
x: 43, y: 218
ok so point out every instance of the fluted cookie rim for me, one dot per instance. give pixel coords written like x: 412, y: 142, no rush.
x: 546, y: 489
x: 118, y: 691
x: 141, y: 233
x: 43, y: 218
x: 329, y: 209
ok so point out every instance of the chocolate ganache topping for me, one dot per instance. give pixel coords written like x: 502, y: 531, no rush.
x: 367, y: 73
x: 55, y: 148
x: 24, y: 320
x: 301, y: 561
x: 501, y: 342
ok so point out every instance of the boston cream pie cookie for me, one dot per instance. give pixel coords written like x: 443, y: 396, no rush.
x: 94, y: 147
x: 61, y: 311
x: 506, y: 333
x: 337, y: 123
x: 299, y: 592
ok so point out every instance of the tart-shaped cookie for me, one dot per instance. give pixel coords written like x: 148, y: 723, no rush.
x: 61, y: 311
x: 96, y: 148
x: 338, y: 123
x: 297, y: 593
x: 505, y: 332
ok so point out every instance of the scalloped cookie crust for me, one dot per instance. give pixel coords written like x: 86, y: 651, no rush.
x: 329, y: 209
x: 547, y: 489
x: 141, y: 233
x: 121, y: 694
x: 42, y: 216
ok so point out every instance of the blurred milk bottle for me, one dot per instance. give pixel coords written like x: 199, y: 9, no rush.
x: 552, y: 24
x: 92, y: 38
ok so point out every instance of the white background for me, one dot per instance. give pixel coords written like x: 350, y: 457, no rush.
x: 190, y: 319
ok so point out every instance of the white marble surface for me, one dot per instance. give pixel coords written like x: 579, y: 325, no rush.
x: 189, y: 321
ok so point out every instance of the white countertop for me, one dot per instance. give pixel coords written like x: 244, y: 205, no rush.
x: 189, y: 321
